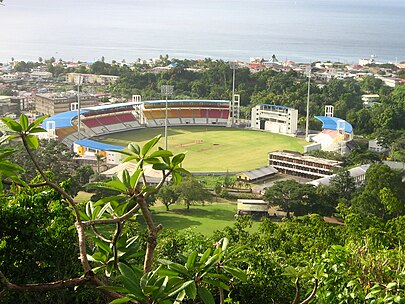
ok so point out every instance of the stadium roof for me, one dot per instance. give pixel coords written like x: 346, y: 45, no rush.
x: 332, y: 122
x: 97, y: 145
x: 62, y: 120
x: 113, y: 106
x: 186, y: 100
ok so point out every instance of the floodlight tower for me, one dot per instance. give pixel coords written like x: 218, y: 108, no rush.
x: 308, y: 73
x: 166, y: 90
x: 233, y: 65
x: 79, y: 82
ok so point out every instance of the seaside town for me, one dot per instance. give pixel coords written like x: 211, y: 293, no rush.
x: 24, y: 85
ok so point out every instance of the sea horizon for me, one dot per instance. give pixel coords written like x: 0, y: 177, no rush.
x: 300, y: 30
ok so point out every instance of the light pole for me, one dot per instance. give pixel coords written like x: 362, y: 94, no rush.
x: 308, y: 72
x: 79, y: 82
x: 166, y: 90
x: 233, y: 65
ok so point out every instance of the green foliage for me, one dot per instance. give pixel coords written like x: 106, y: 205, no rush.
x: 383, y: 193
x: 168, y: 195
x: 192, y: 191
x: 292, y: 196
x: 38, y: 245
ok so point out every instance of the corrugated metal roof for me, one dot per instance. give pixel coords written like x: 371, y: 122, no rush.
x: 331, y: 123
x: 260, y: 172
x: 97, y: 145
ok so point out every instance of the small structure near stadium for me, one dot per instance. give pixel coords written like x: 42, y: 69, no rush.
x: 254, y: 208
x: 276, y: 119
x: 336, y: 134
x: 256, y: 175
x: 89, y: 149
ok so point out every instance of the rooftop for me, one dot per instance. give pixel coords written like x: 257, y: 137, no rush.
x: 332, y: 123
x: 299, y: 156
x: 97, y: 145
x: 64, y: 119
x: 260, y: 172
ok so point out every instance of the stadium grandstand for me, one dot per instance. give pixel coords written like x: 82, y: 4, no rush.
x: 113, y: 118
x: 183, y: 112
x: 336, y: 135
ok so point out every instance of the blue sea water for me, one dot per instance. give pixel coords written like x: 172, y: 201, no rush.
x: 300, y: 30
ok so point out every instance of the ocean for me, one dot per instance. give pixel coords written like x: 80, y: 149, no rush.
x: 299, y: 30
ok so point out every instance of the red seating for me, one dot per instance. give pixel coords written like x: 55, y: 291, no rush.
x: 108, y: 120
x: 214, y: 113
x: 125, y: 117
x: 91, y: 122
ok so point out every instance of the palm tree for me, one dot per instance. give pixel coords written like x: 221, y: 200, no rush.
x: 99, y: 158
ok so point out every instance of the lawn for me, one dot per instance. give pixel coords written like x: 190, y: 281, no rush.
x: 204, y: 219
x: 214, y: 149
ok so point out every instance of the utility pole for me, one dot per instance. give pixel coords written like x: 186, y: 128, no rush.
x: 78, y: 106
x: 309, y: 88
x: 233, y: 65
x: 166, y: 90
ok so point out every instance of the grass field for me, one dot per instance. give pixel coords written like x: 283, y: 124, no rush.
x: 204, y: 219
x: 214, y: 148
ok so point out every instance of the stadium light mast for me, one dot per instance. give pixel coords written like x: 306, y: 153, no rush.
x: 233, y: 65
x: 79, y: 82
x: 308, y: 73
x: 166, y: 90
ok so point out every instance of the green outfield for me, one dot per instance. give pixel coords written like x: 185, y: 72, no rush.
x: 211, y: 148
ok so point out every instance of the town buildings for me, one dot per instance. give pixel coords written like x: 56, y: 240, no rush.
x: 55, y: 103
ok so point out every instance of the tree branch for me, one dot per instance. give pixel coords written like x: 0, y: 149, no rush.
x: 98, y: 235
x: 309, y: 298
x: 114, y: 220
x: 297, y: 291
x: 44, y: 286
x: 87, y: 278
x: 10, y: 183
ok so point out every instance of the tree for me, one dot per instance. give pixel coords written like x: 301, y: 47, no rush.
x: 370, y: 84
x: 291, y: 196
x: 38, y: 245
x: 401, y: 74
x: 192, y: 190
x: 168, y: 195
x: 383, y: 194
x: 343, y: 184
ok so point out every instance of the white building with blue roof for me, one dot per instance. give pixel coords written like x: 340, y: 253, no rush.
x: 89, y: 149
x: 274, y: 118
